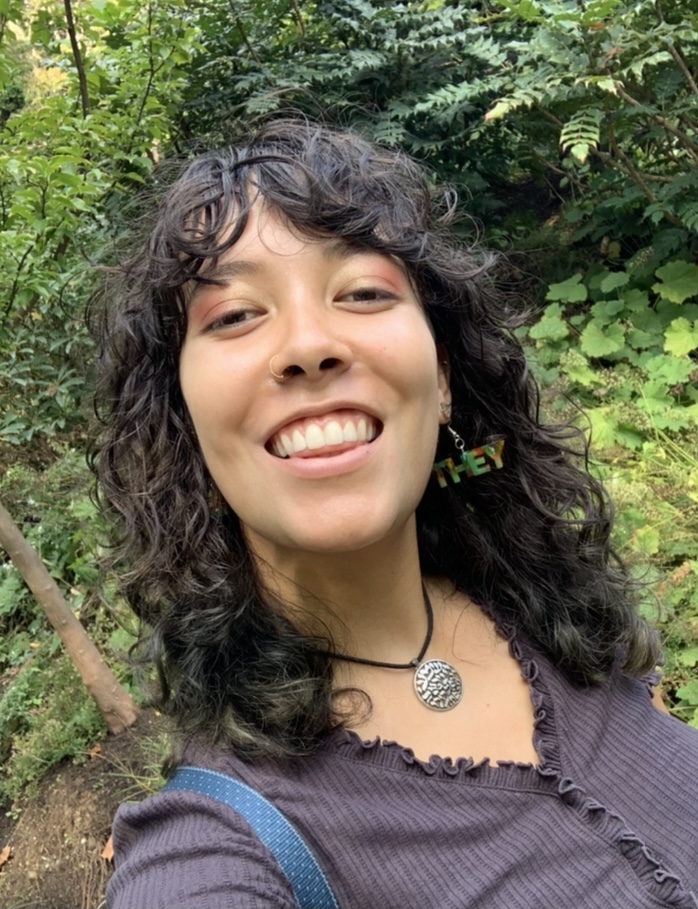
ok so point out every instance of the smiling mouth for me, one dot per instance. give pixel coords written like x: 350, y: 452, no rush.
x: 313, y: 438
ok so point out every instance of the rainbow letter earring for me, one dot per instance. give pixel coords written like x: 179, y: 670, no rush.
x: 473, y: 462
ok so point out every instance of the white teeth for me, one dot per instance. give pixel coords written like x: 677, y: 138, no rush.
x: 314, y: 437
x: 286, y: 445
x: 299, y: 443
x: 334, y: 434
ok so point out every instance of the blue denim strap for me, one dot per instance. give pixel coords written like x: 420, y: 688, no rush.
x: 310, y: 887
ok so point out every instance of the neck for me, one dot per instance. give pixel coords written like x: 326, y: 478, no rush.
x: 369, y: 601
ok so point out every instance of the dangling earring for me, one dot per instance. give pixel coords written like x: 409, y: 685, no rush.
x: 473, y: 463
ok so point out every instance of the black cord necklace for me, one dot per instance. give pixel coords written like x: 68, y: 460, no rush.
x: 437, y: 683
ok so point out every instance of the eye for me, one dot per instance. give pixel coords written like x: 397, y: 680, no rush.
x: 233, y: 318
x: 369, y: 295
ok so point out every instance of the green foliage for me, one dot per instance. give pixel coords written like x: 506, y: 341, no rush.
x: 614, y: 82
x: 624, y: 346
x: 54, y: 510
x: 656, y: 496
x: 64, y: 176
x: 46, y: 716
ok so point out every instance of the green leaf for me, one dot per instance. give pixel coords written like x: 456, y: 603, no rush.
x: 669, y: 370
x: 678, y: 281
x: 606, y: 310
x: 500, y: 109
x: 614, y: 280
x: 688, y: 657
x: 681, y: 337
x: 689, y: 692
x: 641, y: 340
x: 551, y: 326
x: 646, y: 541
x: 598, y: 342
x: 604, y: 427
x: 569, y: 291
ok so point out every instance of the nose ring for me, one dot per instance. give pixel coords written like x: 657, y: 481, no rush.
x: 280, y: 377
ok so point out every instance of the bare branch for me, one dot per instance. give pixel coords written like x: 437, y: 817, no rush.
x: 681, y: 137
x: 77, y: 57
x: 243, y: 35
x: 151, y: 66
x: 15, y: 283
x: 681, y: 63
x: 114, y: 703
x: 298, y: 18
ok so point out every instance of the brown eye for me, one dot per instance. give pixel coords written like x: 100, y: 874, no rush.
x: 369, y: 295
x: 235, y: 317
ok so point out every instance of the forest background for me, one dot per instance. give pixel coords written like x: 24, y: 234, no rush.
x: 571, y: 131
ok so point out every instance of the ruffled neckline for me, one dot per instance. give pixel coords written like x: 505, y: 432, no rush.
x: 347, y: 744
x: 546, y: 777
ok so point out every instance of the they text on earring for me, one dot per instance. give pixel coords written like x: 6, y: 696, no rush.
x: 473, y: 463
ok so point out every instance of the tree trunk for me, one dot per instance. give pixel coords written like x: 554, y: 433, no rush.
x: 114, y: 703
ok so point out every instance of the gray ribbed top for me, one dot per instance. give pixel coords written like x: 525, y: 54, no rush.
x: 607, y: 820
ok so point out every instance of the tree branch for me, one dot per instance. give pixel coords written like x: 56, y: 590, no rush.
x: 681, y: 63
x: 634, y: 174
x: 151, y: 67
x: 15, y: 283
x: 675, y: 53
x: 240, y: 28
x: 77, y: 57
x: 114, y: 703
x: 298, y: 18
x: 691, y: 147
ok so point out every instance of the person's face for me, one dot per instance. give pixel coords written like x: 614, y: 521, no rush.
x: 336, y: 455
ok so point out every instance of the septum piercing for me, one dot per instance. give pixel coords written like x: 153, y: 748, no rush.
x: 280, y: 377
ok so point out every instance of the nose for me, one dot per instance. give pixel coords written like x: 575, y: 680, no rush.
x: 310, y: 346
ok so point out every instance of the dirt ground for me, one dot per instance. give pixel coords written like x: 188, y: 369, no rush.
x: 57, y: 842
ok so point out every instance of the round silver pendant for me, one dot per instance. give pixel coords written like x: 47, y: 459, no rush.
x: 438, y: 685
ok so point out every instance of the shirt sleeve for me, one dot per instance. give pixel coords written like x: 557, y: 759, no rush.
x: 182, y: 850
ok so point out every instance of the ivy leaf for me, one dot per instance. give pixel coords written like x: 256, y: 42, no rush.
x: 689, y: 692
x: 605, y: 310
x: 681, y: 337
x: 669, y: 370
x: 551, y: 326
x: 678, y: 281
x: 646, y: 540
x: 597, y: 342
x: 688, y: 657
x: 613, y: 280
x: 604, y: 427
x: 641, y: 340
x: 569, y: 291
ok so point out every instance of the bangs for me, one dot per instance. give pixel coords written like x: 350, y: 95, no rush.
x: 321, y: 184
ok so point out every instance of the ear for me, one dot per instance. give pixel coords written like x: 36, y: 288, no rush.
x: 444, y: 375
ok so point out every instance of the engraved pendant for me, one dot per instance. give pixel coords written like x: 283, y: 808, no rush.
x: 438, y: 685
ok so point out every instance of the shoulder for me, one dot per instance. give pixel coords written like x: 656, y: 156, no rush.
x: 180, y: 850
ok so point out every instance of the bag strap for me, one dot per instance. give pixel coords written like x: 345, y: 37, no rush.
x: 309, y: 884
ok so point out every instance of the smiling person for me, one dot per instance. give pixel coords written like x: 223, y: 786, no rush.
x: 404, y: 669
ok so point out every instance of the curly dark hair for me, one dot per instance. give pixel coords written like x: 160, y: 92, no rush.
x: 530, y: 543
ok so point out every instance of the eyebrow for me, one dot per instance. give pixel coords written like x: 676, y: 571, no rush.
x: 221, y: 273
